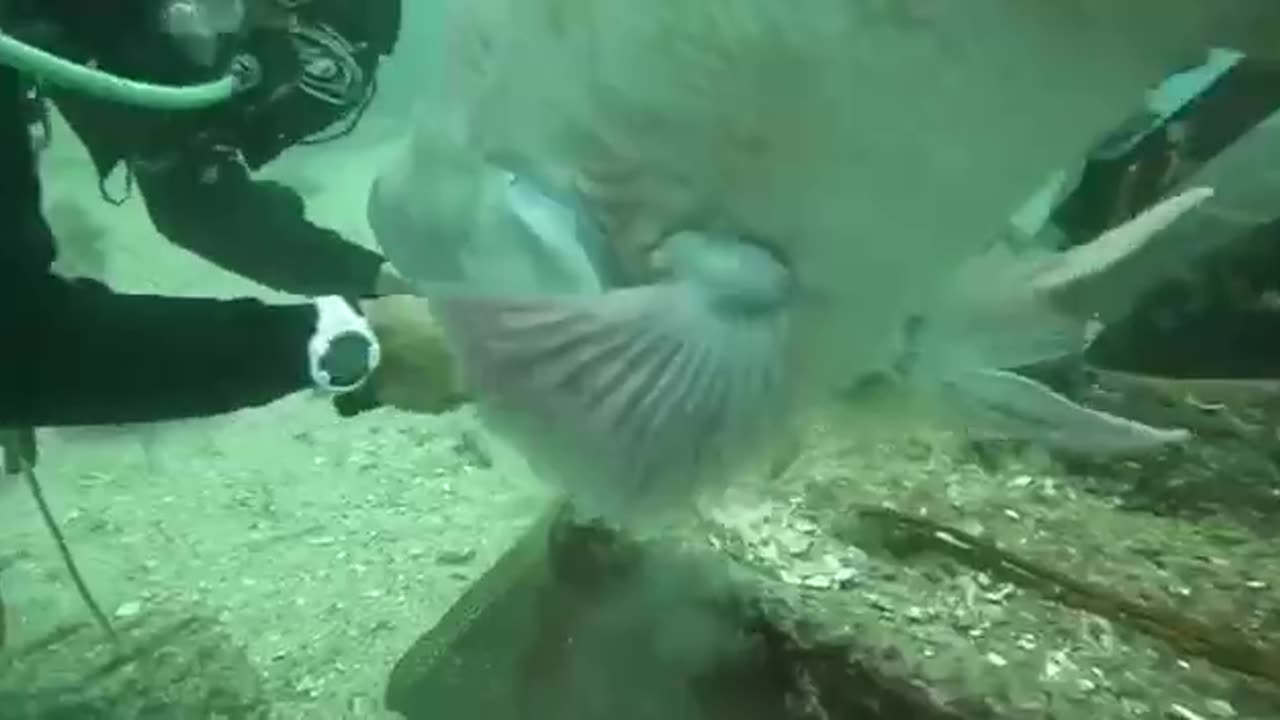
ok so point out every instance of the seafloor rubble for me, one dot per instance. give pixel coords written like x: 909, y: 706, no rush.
x: 914, y: 578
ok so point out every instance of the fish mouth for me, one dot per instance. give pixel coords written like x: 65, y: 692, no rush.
x: 598, y: 242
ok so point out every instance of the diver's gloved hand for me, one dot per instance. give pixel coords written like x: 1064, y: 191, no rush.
x: 416, y: 371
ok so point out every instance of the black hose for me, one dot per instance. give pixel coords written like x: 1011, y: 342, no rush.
x: 33, y: 483
x: 20, y: 452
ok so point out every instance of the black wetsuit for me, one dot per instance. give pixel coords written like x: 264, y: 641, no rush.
x: 192, y: 169
x: 73, y: 351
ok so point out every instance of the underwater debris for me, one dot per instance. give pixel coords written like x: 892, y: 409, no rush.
x: 1239, y: 408
x: 1235, y: 423
x: 1221, y: 644
x: 539, y: 639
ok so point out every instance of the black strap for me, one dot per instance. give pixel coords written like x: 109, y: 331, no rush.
x: 19, y: 449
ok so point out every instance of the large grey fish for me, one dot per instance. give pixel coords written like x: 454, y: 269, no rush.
x: 795, y: 199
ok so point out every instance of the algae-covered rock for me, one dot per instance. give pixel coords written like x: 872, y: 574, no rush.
x: 871, y: 579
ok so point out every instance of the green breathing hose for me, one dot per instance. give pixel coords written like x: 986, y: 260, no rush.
x: 91, y: 81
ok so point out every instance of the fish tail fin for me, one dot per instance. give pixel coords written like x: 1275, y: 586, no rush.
x: 1009, y: 310
x: 1001, y: 403
x: 977, y: 386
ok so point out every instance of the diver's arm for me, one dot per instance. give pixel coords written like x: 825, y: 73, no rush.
x: 73, y: 352
x: 255, y: 228
x: 76, y: 353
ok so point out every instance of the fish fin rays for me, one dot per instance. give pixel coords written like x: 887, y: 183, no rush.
x: 633, y: 398
x: 1006, y: 404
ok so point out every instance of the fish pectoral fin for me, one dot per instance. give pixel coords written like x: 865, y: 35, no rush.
x: 1006, y: 404
x: 630, y: 399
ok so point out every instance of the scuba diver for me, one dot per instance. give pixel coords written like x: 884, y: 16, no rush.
x: 1221, y: 318
x: 162, y: 86
x: 316, y: 62
x: 190, y: 95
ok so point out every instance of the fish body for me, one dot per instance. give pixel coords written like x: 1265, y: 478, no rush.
x: 637, y: 397
x: 646, y: 391
x: 792, y: 201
